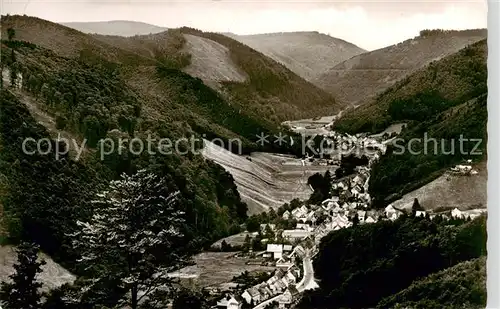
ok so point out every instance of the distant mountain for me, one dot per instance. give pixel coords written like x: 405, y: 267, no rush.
x: 115, y: 27
x: 360, y: 78
x: 308, y: 54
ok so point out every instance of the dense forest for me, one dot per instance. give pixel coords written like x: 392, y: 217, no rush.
x: 460, y: 286
x: 359, y: 267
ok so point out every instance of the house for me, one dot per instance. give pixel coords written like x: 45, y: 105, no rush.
x: 357, y: 180
x: 272, y: 280
x: 299, y: 250
x: 265, y: 291
x: 295, y: 234
x: 283, y: 263
x: 299, y: 212
x: 370, y: 219
x: 290, y: 277
x: 330, y: 200
x: 264, y: 226
x: 288, y: 297
x: 420, y: 213
x: 341, y: 185
x: 327, y: 206
x: 337, y: 208
x: 252, y: 295
x: 287, y: 248
x: 230, y: 302
x: 361, y: 216
x: 275, y: 250
x: 311, y: 216
x: 286, y: 215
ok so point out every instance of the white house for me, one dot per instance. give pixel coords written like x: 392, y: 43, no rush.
x: 287, y: 298
x: 357, y: 180
x: 303, y: 226
x: 420, y: 213
x: 283, y: 263
x: 290, y: 277
x: 286, y: 215
x: 456, y: 213
x: 275, y: 250
x: 370, y: 219
x: 252, y: 294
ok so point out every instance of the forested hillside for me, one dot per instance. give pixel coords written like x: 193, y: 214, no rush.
x: 445, y: 101
x: 358, y: 267
x: 464, y: 283
x: 44, y: 196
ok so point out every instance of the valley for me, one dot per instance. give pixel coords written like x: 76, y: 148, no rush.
x: 271, y: 223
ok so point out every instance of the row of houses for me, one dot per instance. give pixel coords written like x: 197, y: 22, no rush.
x: 339, y: 215
x: 281, y: 282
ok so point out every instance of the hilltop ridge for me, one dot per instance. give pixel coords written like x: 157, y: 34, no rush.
x: 307, y: 53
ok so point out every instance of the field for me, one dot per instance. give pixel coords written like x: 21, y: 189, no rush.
x: 216, y: 268
x: 450, y: 191
x: 265, y: 180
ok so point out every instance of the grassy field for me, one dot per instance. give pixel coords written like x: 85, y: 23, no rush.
x: 216, y: 268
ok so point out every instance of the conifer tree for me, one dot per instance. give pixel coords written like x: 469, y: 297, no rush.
x: 137, y: 232
x: 23, y: 292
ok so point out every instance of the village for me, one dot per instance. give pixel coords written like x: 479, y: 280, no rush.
x: 291, y: 250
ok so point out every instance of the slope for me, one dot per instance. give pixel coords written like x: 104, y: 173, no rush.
x: 464, y: 283
x: 52, y: 275
x: 65, y: 41
x: 353, y: 262
x: 308, y: 54
x: 115, y: 27
x: 270, y: 90
x: 360, y: 78
x: 92, y: 101
x: 249, y: 84
x: 149, y: 65
x: 450, y: 191
x: 442, y: 104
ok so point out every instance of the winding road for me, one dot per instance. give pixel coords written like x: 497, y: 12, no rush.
x: 307, y: 282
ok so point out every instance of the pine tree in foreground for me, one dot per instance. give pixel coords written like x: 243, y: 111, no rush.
x: 135, y: 233
x: 23, y: 292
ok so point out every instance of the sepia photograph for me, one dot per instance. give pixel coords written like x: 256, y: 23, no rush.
x: 234, y: 154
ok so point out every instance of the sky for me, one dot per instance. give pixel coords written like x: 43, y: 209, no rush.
x: 368, y: 24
